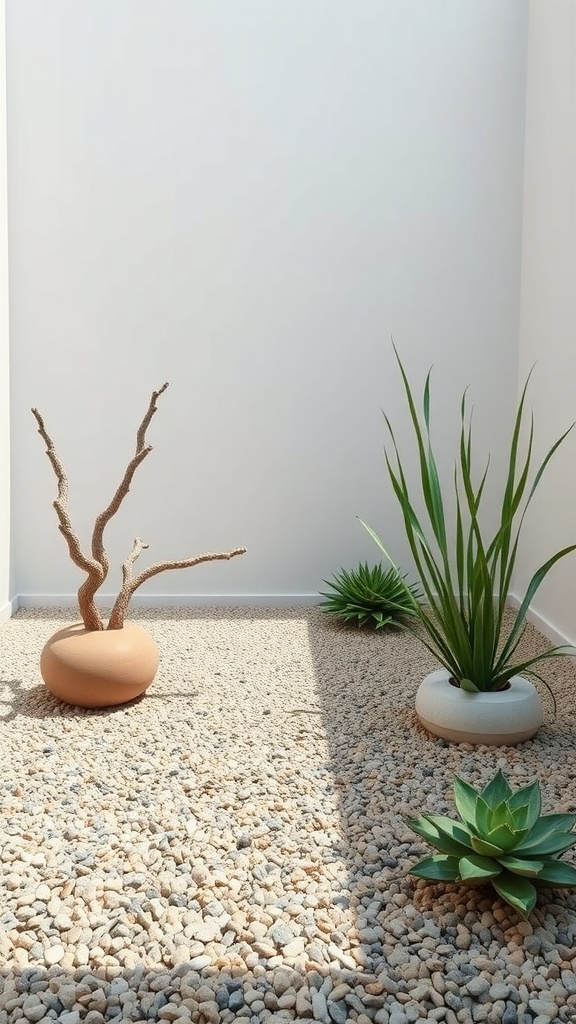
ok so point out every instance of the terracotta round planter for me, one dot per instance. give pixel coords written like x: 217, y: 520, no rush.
x: 494, y: 719
x: 96, y: 669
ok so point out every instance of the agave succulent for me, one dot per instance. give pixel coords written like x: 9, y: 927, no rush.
x: 369, y: 594
x: 502, y: 839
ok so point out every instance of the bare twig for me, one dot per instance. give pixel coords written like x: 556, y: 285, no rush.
x: 137, y: 548
x: 142, y: 450
x: 141, y: 435
x: 88, y: 610
x: 131, y: 583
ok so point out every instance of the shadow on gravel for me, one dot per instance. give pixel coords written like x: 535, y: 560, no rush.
x: 12, y: 691
x: 143, y: 994
x: 39, y: 703
x: 442, y: 952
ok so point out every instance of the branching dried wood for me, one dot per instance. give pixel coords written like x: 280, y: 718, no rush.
x: 96, y: 565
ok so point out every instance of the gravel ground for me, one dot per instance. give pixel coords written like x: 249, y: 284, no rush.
x: 233, y: 845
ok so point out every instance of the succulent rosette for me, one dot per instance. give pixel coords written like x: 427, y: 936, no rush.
x: 502, y: 839
x: 370, y: 595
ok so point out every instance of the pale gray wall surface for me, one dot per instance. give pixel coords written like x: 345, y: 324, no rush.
x: 248, y: 200
x: 5, y: 532
x: 548, y: 307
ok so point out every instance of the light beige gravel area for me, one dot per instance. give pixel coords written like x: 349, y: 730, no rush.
x: 234, y: 845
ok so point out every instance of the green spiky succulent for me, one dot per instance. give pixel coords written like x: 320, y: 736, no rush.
x: 503, y: 839
x: 369, y: 595
x: 466, y: 575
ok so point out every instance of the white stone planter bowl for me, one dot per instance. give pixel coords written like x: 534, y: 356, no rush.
x: 495, y: 719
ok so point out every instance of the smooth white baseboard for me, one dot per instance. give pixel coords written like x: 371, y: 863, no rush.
x: 176, y: 600
x: 543, y: 626
x: 144, y: 601
x: 7, y: 610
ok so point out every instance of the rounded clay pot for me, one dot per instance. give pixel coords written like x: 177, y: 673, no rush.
x: 494, y: 719
x: 98, y: 668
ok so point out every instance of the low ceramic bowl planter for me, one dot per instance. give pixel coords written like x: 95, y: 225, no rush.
x: 495, y: 719
x: 99, y: 668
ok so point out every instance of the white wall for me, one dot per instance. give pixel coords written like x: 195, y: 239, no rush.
x: 548, y: 308
x: 6, y: 589
x: 248, y: 200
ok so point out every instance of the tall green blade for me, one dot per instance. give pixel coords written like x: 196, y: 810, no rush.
x: 505, y: 549
x: 512, y: 495
x: 533, y: 586
x: 439, y: 645
x: 460, y: 564
x: 428, y: 472
x: 546, y: 460
x: 432, y: 478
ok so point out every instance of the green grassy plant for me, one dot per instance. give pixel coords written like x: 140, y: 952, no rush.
x: 466, y: 577
x: 369, y: 595
x: 502, y: 839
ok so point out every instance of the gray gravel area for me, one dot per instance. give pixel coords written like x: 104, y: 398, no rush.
x: 233, y: 845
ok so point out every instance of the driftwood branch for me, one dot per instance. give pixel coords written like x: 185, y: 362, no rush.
x: 131, y: 583
x: 92, y: 566
x: 142, y: 450
x: 96, y: 566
